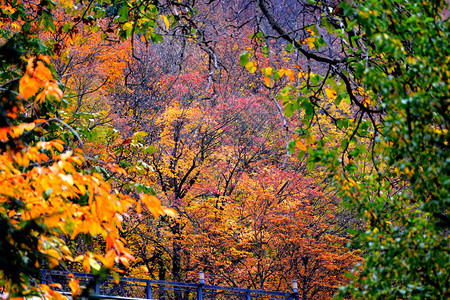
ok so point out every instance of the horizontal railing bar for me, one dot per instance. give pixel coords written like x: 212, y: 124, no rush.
x: 170, y: 284
x: 93, y: 296
x: 111, y: 297
x: 245, y: 290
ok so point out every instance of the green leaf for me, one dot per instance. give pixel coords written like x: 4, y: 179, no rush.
x: 291, y: 147
x: 344, y: 144
x: 243, y: 60
x: 156, y: 38
x: 315, y: 79
x: 346, y: 98
x: 338, y: 99
x: 343, y: 123
x: 308, y: 108
x: 290, y: 48
x: 310, y: 165
x: 289, y: 110
x: 300, y: 155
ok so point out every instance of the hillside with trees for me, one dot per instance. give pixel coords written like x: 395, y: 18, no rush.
x: 258, y: 141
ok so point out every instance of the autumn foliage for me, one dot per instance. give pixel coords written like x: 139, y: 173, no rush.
x: 161, y: 139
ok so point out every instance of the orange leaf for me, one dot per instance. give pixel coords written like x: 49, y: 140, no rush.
x: 153, y: 205
x: 268, y: 81
x: 74, y: 285
x: 86, y: 264
x: 138, y: 207
x: 331, y: 94
x: 171, y: 212
x: 109, y: 258
x: 28, y: 86
x: 56, y: 285
x: 42, y: 73
x: 300, y: 145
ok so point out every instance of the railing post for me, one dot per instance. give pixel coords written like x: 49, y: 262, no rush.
x: 148, y: 290
x: 97, y: 287
x: 295, y: 289
x: 43, y: 280
x: 201, y: 277
x: 248, y: 296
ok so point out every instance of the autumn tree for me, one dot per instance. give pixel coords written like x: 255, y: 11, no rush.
x: 48, y: 192
x: 383, y: 58
x: 275, y: 226
x: 206, y: 131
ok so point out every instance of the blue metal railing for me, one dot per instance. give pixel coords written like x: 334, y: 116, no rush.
x: 137, y: 288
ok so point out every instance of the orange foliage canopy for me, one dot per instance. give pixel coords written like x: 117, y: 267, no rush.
x: 47, y: 197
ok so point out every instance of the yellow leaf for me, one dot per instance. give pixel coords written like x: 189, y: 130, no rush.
x: 67, y: 178
x: 166, y: 21
x: 127, y: 26
x: 310, y: 42
x: 53, y: 257
x: 251, y: 67
x: 79, y: 258
x: 301, y: 74
x: 65, y: 250
x: 410, y: 60
x: 94, y: 264
x: 15, y: 26
x: 331, y: 94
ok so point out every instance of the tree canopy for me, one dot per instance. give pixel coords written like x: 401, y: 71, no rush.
x: 259, y: 141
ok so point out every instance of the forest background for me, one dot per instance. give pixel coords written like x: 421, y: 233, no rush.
x: 257, y: 141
